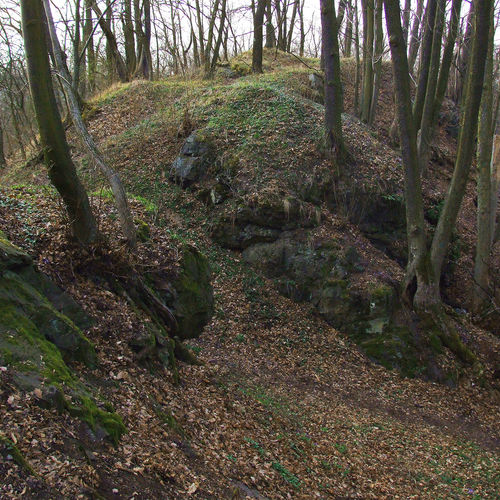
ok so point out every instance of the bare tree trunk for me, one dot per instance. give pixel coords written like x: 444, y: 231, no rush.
x: 333, y: 86
x: 466, y: 139
x: 128, y: 35
x: 348, y: 30
x: 3, y: 161
x: 368, y: 32
x: 292, y: 26
x: 425, y: 60
x: 414, y: 37
x: 62, y: 171
x: 270, y: 35
x: 426, y: 124
x: 123, y: 209
x: 484, y: 186
x: 358, y: 62
x: 76, y: 47
x: 302, y: 42
x: 377, y: 64
x: 418, y: 258
x: 258, y: 22
x: 105, y: 25
x: 88, y: 35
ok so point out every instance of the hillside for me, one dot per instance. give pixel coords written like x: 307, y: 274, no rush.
x: 307, y: 385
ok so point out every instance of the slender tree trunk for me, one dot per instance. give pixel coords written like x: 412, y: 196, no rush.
x: 128, y: 35
x: 258, y: 22
x: 418, y: 255
x: 414, y: 37
x: 358, y: 62
x: 368, y: 23
x: 105, y: 25
x: 426, y: 125
x: 270, y: 35
x: 62, y: 171
x: 292, y: 26
x: 302, y: 42
x: 333, y: 86
x: 123, y: 209
x: 406, y: 20
x: 76, y: 47
x: 484, y: 186
x: 377, y: 64
x: 89, y: 40
x: 425, y: 61
x: 3, y: 161
x: 428, y: 128
x: 348, y: 30
x: 466, y: 139
x: 464, y: 54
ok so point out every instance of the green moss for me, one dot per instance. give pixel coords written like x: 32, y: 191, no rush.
x: 21, y: 304
x: 143, y: 230
x: 87, y: 410
x: 169, y: 420
x: 9, y: 449
x: 194, y: 303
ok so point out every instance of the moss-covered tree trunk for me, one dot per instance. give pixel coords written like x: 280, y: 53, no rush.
x: 484, y: 186
x: 333, y: 84
x: 62, y: 171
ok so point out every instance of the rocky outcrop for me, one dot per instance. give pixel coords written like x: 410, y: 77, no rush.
x: 40, y: 331
x: 194, y: 159
x: 264, y: 221
x: 192, y: 300
x: 331, y: 276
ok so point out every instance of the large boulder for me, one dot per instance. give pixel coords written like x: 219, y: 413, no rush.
x: 194, y: 159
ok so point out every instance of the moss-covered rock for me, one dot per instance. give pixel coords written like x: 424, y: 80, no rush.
x: 11, y: 257
x: 9, y: 451
x: 36, y: 338
x: 323, y: 274
x: 21, y: 302
x: 193, y: 300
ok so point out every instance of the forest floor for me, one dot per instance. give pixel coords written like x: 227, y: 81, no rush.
x: 283, y: 406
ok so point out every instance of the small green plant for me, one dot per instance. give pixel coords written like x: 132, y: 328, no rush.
x: 257, y: 446
x: 286, y: 474
x: 341, y: 448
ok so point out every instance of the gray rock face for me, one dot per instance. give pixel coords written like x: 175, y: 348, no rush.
x: 193, y: 160
x: 263, y: 222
